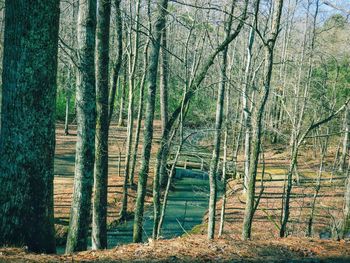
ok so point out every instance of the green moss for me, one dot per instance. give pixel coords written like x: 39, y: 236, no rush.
x: 198, y: 229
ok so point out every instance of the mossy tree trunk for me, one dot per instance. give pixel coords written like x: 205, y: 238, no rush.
x: 27, y: 139
x: 99, y: 211
x: 150, y: 107
x: 80, y: 215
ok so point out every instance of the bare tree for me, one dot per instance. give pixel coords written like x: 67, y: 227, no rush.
x: 99, y: 211
x: 80, y: 216
x: 269, y: 44
x: 148, y: 130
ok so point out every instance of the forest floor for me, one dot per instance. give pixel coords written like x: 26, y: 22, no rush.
x: 196, y: 248
x: 265, y: 245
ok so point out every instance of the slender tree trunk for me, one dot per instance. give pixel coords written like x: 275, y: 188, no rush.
x: 224, y: 169
x: 99, y: 211
x: 118, y: 63
x: 160, y: 171
x: 148, y: 130
x: 297, y: 136
x: 256, y: 139
x: 217, y: 136
x: 122, y: 97
x: 157, y: 232
x: 164, y: 76
x: 68, y: 96
x: 323, y: 152
x: 132, y: 67
x: 27, y: 140
x: 246, y: 111
x: 346, y: 222
x: 346, y: 141
x: 285, y: 208
x: 139, y: 117
x: 141, y: 98
x: 86, y: 124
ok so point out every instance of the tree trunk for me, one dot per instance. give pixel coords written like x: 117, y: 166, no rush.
x: 160, y: 171
x: 148, y: 130
x: 256, y: 139
x: 164, y: 76
x: 66, y: 119
x: 346, y: 222
x: 27, y: 140
x: 346, y: 141
x: 139, y: 117
x: 122, y: 98
x: 86, y: 124
x: 323, y: 146
x: 285, y: 208
x: 217, y: 136
x: 99, y: 211
x: 246, y: 111
x: 224, y: 169
x: 132, y: 67
x: 118, y: 62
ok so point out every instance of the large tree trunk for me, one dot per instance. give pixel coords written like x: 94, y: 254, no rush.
x: 257, y: 129
x: 27, y: 140
x: 148, y: 130
x: 99, y: 211
x: 86, y: 125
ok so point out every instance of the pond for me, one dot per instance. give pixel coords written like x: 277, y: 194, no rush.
x: 187, y: 204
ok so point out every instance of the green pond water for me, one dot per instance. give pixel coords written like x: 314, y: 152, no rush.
x: 187, y: 203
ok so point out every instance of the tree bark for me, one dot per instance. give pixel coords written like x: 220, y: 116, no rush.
x: 27, y: 140
x: 139, y: 117
x: 346, y: 141
x: 118, y: 62
x: 217, y: 136
x: 148, y: 130
x: 122, y: 97
x: 86, y: 125
x: 257, y: 129
x: 133, y: 57
x: 99, y: 208
x: 164, y: 76
x: 246, y: 110
x: 160, y: 171
x: 346, y: 222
